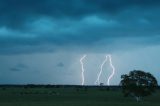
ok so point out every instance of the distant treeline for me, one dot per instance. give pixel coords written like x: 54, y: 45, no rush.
x: 60, y: 86
x: 57, y: 86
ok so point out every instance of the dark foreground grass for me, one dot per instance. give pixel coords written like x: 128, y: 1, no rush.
x: 12, y: 96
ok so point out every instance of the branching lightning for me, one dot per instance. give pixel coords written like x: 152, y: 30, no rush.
x: 97, y: 81
x: 101, y: 69
x: 113, y: 70
x: 82, y: 68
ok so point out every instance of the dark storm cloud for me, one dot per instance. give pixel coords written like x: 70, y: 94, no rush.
x: 15, y: 13
x: 32, y: 25
x: 14, y: 69
x: 60, y: 64
x: 19, y: 67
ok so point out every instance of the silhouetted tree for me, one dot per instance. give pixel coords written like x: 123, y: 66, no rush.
x: 138, y: 84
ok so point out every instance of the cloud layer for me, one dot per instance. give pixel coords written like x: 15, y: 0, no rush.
x: 28, y: 26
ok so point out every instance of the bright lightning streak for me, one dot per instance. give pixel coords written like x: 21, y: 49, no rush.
x: 101, y: 69
x: 113, y: 70
x: 97, y: 81
x: 82, y: 67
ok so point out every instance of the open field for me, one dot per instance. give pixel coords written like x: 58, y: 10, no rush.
x: 70, y: 96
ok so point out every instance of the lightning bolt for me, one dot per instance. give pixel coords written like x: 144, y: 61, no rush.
x: 101, y: 69
x: 113, y: 70
x: 97, y: 81
x: 82, y: 68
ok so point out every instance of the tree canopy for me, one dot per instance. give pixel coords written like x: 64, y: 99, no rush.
x: 138, y: 84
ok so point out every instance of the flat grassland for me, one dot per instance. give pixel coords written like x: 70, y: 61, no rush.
x: 71, y: 96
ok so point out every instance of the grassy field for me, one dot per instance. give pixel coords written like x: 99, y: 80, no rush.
x: 18, y: 96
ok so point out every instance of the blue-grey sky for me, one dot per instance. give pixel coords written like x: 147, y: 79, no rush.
x: 41, y: 41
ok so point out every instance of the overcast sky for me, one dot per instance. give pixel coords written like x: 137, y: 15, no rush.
x: 42, y: 41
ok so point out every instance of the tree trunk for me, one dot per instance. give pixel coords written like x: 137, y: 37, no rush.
x: 138, y: 98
